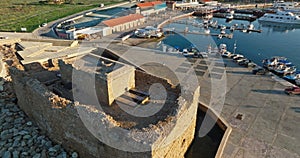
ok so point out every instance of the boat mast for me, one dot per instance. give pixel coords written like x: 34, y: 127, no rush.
x: 234, y: 47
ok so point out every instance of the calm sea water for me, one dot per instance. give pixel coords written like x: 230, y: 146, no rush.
x: 275, y: 40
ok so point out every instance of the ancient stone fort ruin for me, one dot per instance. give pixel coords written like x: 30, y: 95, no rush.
x: 51, y: 93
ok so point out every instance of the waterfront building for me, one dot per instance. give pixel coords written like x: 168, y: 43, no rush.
x: 123, y: 23
x: 154, y: 7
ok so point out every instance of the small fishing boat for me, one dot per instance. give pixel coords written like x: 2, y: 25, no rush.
x: 274, y: 62
x: 250, y: 27
x: 222, y: 47
x: 230, y: 16
x: 237, y: 56
x: 284, y: 70
x: 241, y: 60
x: 232, y: 28
x: 226, y: 54
x: 220, y: 36
x: 222, y: 27
x: 293, y: 77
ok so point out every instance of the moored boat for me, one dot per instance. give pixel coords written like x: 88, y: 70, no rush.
x: 281, y: 17
x: 275, y: 61
x: 250, y: 27
x: 293, y: 77
x: 222, y: 47
x: 226, y: 54
x: 285, y: 70
x: 229, y: 16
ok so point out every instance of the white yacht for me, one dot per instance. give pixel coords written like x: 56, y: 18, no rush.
x: 281, y: 17
x: 284, y: 5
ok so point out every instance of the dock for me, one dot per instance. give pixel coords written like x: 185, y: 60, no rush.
x: 201, y: 25
x: 207, y: 34
x: 237, y: 16
x: 249, y: 30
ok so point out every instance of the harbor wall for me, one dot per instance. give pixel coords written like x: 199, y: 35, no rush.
x: 173, y: 19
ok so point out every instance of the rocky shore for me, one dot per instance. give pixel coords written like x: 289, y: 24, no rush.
x: 19, y: 136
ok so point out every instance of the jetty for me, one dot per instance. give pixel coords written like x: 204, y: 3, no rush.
x: 237, y: 16
x: 249, y: 30
x: 230, y: 36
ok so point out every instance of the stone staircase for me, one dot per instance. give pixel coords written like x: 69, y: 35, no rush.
x: 133, y: 97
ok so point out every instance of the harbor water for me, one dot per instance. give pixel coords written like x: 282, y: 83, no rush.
x: 274, y: 40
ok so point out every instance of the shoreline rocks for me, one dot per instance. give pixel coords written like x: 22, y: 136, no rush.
x: 19, y: 136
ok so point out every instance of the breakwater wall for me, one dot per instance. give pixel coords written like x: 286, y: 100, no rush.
x: 173, y: 19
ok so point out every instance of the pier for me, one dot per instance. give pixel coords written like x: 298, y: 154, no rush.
x: 237, y: 16
x: 213, y: 25
x: 229, y: 36
x: 249, y: 30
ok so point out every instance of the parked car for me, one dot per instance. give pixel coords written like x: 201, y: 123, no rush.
x: 292, y: 90
x: 3, y: 37
x: 259, y: 71
x: 101, y: 5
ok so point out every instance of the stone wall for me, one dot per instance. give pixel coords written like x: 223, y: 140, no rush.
x: 176, y: 142
x: 60, y: 119
x: 120, y: 81
x: 144, y: 80
x: 107, y: 87
x: 66, y: 71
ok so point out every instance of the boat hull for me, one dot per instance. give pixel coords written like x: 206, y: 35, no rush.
x: 280, y: 22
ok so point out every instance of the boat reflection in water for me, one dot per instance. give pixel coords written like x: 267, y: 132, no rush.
x: 279, y: 27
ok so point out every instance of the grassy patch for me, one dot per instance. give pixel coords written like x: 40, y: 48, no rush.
x: 16, y: 14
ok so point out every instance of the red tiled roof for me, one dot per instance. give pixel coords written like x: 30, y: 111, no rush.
x: 122, y: 20
x: 148, y: 4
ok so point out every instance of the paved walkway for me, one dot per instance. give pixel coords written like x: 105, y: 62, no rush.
x: 263, y: 118
x: 269, y: 125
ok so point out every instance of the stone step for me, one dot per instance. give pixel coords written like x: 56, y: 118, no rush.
x: 123, y: 100
x: 138, y: 92
x: 134, y: 97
